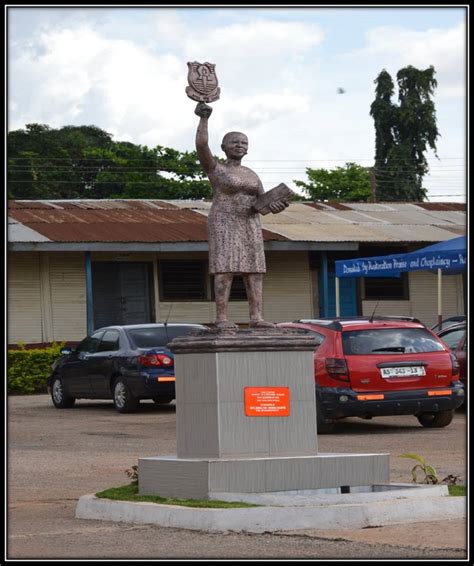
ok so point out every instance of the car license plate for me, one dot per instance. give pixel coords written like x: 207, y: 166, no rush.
x: 403, y: 371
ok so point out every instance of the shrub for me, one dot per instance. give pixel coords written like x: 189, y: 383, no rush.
x: 28, y: 370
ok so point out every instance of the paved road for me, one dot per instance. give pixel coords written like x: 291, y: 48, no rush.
x: 56, y: 456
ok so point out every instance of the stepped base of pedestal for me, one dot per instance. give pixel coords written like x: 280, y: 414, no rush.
x: 198, y: 478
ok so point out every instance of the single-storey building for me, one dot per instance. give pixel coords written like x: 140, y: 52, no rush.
x: 77, y: 265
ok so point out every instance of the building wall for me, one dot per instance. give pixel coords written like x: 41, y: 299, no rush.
x: 288, y: 287
x: 423, y: 303
x: 47, y: 294
x: 68, y: 293
x: 287, y: 293
x: 46, y: 297
x: 24, y: 298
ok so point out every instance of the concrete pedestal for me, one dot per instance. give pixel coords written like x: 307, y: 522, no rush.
x: 234, y: 434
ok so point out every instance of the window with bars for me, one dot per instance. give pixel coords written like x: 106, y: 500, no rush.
x: 183, y: 280
x: 237, y: 291
x: 386, y: 288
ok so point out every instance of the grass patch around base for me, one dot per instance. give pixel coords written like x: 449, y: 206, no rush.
x: 130, y: 493
x: 457, y: 489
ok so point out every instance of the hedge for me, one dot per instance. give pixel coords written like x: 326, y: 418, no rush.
x: 28, y: 370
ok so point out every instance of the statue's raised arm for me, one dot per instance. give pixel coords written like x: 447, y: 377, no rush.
x: 205, y: 156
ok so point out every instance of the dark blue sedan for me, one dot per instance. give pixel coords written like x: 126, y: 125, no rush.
x: 122, y: 363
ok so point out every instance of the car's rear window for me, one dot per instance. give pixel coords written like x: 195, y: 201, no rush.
x: 388, y: 341
x: 155, y: 337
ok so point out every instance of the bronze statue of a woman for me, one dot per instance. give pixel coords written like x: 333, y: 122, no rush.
x: 235, y: 234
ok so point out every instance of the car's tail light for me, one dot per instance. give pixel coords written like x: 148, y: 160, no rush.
x: 156, y: 360
x: 454, y: 364
x: 337, y: 368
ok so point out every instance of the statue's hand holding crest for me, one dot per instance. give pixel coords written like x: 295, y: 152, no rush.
x: 203, y: 84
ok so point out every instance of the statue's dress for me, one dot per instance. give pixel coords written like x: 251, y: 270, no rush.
x: 235, y: 233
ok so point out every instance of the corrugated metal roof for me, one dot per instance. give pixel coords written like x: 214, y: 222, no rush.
x: 408, y: 216
x: 112, y: 216
x: 148, y: 220
x: 194, y: 204
x: 102, y: 221
x: 411, y: 233
x: 447, y: 216
x: 110, y: 221
x: 321, y: 233
x: 19, y: 233
x: 92, y: 204
x: 123, y: 232
x: 442, y: 205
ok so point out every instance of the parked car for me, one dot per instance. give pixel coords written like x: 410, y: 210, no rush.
x: 122, y: 363
x: 368, y: 367
x: 455, y: 337
x: 448, y: 322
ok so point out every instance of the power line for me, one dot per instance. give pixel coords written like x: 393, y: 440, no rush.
x: 349, y: 160
x: 161, y: 167
x: 119, y: 170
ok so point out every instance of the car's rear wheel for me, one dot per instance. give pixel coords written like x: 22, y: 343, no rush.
x: 325, y: 426
x: 435, y: 420
x: 124, y: 401
x: 59, y: 397
x: 162, y: 400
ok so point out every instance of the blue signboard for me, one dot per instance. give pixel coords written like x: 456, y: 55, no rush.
x: 449, y: 256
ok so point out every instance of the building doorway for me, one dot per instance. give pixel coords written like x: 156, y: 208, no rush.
x: 121, y: 292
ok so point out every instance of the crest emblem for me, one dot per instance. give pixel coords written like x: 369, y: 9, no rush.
x: 203, y: 82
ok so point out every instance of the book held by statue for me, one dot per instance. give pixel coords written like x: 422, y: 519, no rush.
x: 278, y: 193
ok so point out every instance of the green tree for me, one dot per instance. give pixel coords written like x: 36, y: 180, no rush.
x: 348, y: 183
x: 403, y: 133
x: 84, y: 162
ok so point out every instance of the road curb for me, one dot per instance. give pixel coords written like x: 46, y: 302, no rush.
x: 273, y: 518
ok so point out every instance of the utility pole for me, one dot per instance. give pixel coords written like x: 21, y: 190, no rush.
x: 371, y: 172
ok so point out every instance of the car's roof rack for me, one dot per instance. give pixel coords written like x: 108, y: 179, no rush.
x: 336, y: 323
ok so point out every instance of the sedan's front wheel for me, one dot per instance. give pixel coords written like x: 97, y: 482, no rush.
x: 124, y: 401
x: 435, y: 420
x: 59, y: 398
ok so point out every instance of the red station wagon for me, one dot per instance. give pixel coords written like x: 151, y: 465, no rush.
x: 373, y: 366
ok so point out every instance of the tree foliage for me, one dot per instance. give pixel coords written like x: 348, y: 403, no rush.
x: 84, y: 162
x: 348, y: 183
x: 403, y: 133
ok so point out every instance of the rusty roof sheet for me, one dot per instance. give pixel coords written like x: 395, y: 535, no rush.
x: 442, y: 205
x: 142, y: 220
x: 113, y: 216
x: 85, y: 222
x: 119, y: 224
x: 92, y: 204
x: 122, y: 232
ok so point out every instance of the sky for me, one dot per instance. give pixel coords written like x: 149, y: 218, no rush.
x: 280, y: 70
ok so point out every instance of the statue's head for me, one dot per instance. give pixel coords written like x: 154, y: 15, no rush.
x: 235, y: 145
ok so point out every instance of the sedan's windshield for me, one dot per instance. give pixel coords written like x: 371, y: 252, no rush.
x: 389, y: 340
x: 153, y: 337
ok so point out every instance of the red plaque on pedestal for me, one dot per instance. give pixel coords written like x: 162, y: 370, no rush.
x: 267, y: 401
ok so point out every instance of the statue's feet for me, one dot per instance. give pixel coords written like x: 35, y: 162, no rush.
x: 226, y: 325
x: 261, y: 324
